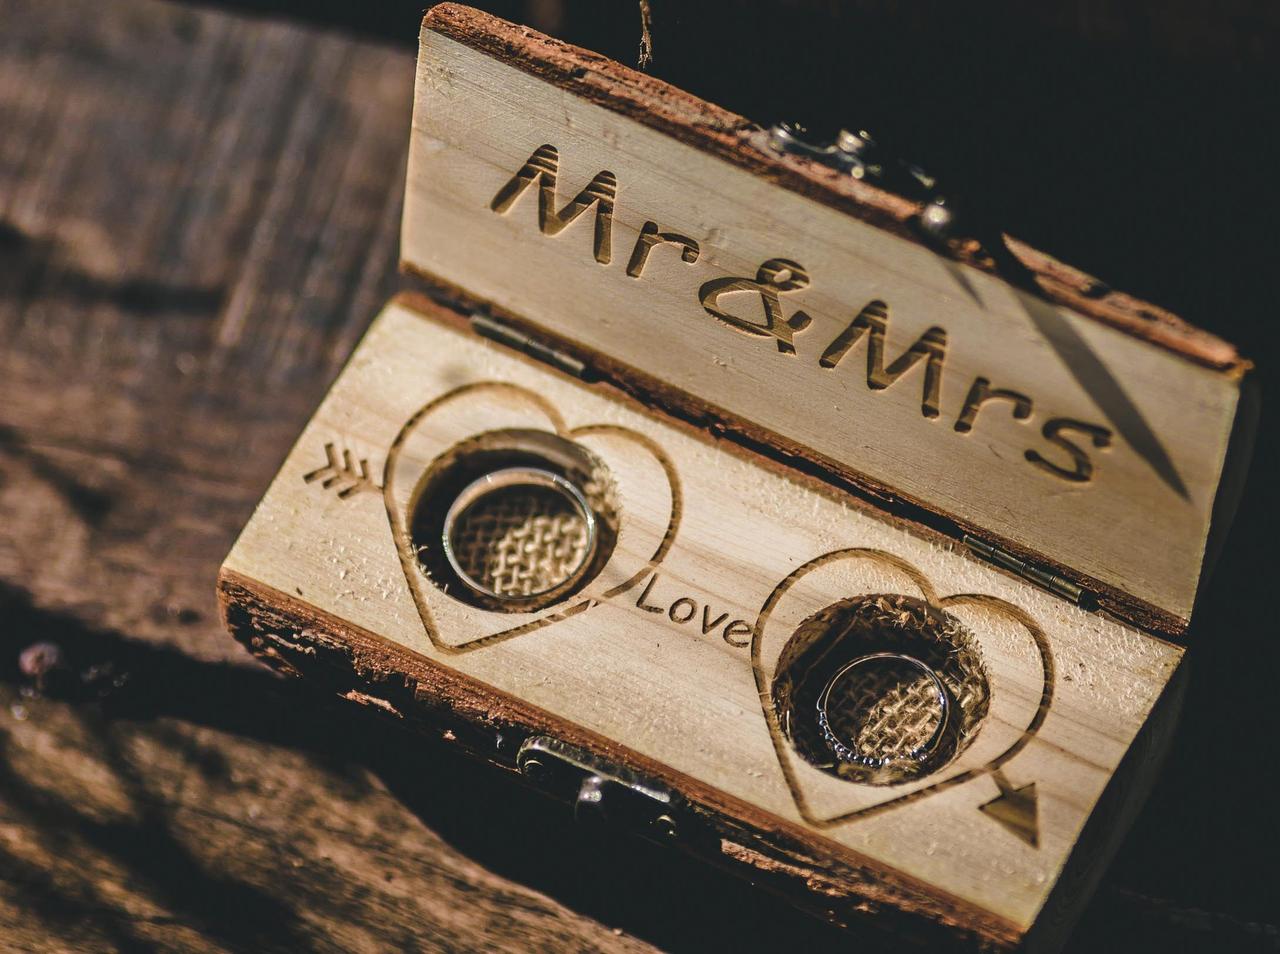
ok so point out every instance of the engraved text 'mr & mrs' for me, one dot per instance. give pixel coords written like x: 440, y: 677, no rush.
x: 778, y: 276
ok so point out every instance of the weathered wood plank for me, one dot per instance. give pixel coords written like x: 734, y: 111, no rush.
x: 197, y: 217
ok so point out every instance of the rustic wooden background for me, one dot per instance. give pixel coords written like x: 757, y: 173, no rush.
x: 198, y: 217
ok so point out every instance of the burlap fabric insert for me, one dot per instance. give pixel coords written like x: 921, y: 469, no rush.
x: 520, y: 541
x: 885, y: 709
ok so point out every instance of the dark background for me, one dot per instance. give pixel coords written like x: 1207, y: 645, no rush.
x: 1137, y: 141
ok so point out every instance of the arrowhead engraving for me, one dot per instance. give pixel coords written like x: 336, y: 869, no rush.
x: 344, y: 472
x: 1017, y: 810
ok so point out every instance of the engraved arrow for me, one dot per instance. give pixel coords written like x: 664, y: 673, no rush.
x: 343, y: 471
x: 1017, y: 809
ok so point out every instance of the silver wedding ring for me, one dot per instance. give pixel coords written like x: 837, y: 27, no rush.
x: 846, y: 753
x: 506, y: 479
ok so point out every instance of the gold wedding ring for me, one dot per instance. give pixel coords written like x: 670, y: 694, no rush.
x: 521, y: 553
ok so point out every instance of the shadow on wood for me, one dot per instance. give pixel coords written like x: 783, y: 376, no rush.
x: 618, y: 879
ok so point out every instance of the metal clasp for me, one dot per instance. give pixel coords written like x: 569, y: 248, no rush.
x: 600, y: 791
x: 854, y: 153
x: 858, y: 154
x: 938, y: 220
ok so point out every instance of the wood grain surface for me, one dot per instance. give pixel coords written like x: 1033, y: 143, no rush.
x: 198, y: 218
x: 624, y: 665
x: 873, y: 350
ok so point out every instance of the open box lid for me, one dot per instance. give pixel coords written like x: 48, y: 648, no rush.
x: 663, y: 241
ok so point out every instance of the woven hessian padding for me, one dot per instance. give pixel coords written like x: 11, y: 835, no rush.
x: 520, y: 541
x: 886, y: 709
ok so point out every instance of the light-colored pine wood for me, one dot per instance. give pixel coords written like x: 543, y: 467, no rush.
x: 736, y: 536
x: 668, y: 284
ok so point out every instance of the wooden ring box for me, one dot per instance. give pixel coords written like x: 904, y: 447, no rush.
x: 795, y: 403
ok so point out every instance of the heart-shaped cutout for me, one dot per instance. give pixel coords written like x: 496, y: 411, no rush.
x: 1017, y: 663
x: 635, y: 477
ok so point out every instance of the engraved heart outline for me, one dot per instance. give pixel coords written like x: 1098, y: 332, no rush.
x: 403, y: 542
x: 992, y: 767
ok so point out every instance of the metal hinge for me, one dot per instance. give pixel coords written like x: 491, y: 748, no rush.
x: 857, y: 154
x: 600, y: 791
x: 1029, y: 571
x: 489, y: 327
